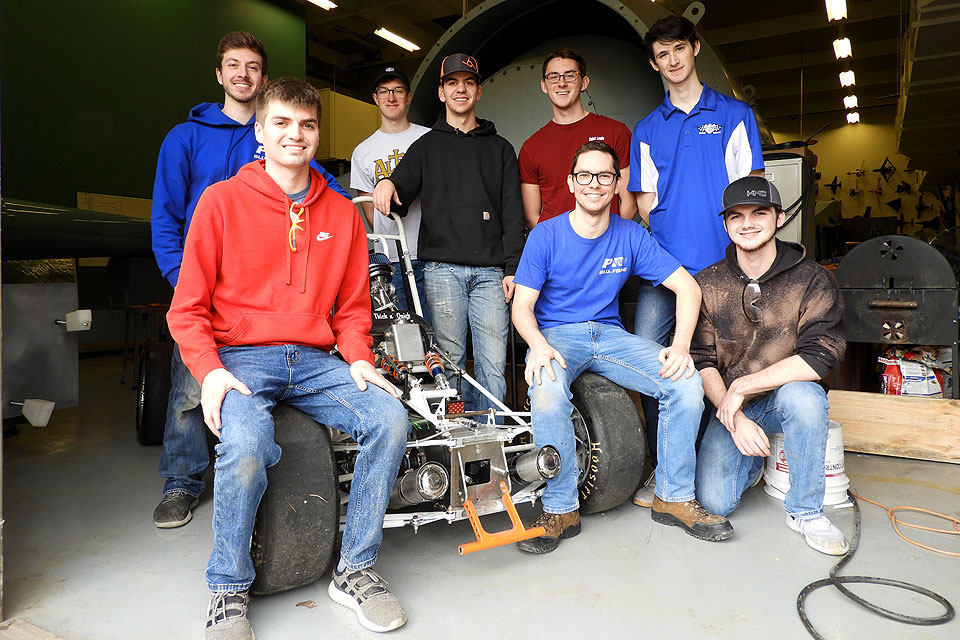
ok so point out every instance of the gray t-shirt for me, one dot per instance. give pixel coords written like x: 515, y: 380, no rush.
x: 300, y: 195
x: 375, y: 159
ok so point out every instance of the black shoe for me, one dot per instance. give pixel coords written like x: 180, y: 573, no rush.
x: 175, y: 510
x: 556, y: 526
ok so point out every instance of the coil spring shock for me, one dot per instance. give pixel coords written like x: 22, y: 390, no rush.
x: 435, y: 366
x: 394, y: 368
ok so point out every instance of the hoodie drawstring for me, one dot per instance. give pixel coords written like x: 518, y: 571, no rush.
x: 295, y: 220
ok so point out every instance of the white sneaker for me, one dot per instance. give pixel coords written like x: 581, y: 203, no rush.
x: 820, y: 534
x: 644, y: 495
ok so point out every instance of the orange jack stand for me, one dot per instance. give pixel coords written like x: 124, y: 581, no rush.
x: 489, y: 540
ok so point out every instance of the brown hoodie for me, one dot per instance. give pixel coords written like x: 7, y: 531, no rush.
x: 802, y: 315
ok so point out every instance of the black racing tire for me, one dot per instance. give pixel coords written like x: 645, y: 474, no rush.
x: 298, y: 522
x: 610, y: 443
x: 153, y: 391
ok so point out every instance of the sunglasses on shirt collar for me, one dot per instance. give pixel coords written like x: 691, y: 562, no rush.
x: 750, y: 298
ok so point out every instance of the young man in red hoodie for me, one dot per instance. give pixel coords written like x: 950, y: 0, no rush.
x: 274, y: 275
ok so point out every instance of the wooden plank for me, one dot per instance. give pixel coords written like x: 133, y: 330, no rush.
x: 901, y: 426
x: 19, y: 630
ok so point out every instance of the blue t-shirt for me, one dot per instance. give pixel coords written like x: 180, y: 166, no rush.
x: 579, y: 279
x: 687, y: 160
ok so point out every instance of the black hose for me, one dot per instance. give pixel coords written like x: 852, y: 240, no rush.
x: 839, y: 581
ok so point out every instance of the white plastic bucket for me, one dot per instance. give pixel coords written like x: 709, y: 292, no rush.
x: 776, y: 474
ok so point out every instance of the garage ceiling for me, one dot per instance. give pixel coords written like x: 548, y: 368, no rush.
x: 781, y: 52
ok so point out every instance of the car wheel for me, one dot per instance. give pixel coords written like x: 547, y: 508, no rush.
x: 153, y: 390
x: 610, y: 443
x: 298, y: 522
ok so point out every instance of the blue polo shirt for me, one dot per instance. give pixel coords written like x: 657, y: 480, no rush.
x: 686, y: 160
x: 579, y: 279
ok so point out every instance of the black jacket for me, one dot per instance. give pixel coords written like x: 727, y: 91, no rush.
x: 469, y: 188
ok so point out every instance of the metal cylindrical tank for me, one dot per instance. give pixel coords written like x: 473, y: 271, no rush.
x: 510, y: 38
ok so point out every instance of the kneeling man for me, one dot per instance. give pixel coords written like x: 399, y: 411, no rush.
x: 274, y: 275
x: 769, y: 331
x: 568, y: 283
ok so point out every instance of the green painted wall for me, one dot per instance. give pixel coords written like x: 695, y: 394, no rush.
x: 91, y: 88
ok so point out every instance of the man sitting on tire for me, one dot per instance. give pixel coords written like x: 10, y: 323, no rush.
x: 769, y: 331
x: 568, y: 284
x: 269, y: 255
x: 211, y: 146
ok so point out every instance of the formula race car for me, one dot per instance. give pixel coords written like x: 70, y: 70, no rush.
x: 458, y: 464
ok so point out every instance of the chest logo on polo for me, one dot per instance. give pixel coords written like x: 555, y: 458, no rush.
x: 710, y: 128
x: 259, y: 154
x: 612, y: 265
x: 592, y: 138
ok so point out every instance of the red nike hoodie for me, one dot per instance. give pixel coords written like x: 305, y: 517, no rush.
x: 243, y: 283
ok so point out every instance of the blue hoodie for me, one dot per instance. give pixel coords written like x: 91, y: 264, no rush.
x: 208, y: 148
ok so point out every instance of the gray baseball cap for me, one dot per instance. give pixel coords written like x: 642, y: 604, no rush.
x: 751, y: 190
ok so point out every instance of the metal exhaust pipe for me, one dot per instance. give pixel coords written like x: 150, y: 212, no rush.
x: 423, y: 484
x: 539, y: 464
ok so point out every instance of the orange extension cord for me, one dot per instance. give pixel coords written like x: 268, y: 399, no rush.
x: 897, y: 523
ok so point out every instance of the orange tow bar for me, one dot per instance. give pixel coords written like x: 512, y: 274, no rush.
x: 489, y: 540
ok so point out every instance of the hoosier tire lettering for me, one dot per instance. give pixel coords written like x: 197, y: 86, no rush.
x: 610, y: 443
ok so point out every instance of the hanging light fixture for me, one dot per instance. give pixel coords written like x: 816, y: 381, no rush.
x: 850, y: 102
x: 842, y: 48
x: 847, y: 79
x: 324, y: 4
x: 836, y: 9
x: 400, y: 41
x: 853, y: 117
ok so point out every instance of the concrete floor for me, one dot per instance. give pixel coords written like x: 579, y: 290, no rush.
x: 83, y: 560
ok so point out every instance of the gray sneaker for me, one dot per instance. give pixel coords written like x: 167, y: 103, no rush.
x: 820, y: 534
x: 175, y: 510
x: 227, y: 617
x: 366, y: 593
x: 644, y: 496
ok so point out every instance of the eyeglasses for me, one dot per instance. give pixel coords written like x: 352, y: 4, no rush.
x: 751, y: 295
x: 604, y: 178
x: 554, y: 77
x: 400, y: 92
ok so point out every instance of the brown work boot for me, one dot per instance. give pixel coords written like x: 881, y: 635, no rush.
x: 693, y: 518
x: 556, y: 526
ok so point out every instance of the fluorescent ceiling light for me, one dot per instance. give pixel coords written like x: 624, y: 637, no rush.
x: 842, y: 48
x: 324, y: 4
x: 403, y: 43
x: 847, y: 79
x: 836, y: 9
x: 853, y: 117
x: 850, y: 102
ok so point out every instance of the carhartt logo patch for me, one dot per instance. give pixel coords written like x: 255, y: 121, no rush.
x: 709, y: 128
x: 323, y: 235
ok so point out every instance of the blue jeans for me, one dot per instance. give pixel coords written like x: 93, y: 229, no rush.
x: 457, y: 294
x: 632, y: 363
x: 185, y: 456
x: 398, y: 282
x: 655, y: 316
x: 320, y: 385
x: 799, y: 411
